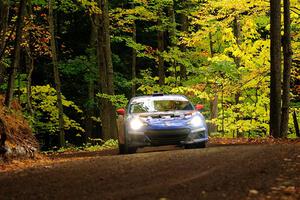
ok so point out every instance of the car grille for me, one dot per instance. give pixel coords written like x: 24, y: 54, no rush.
x: 167, y: 137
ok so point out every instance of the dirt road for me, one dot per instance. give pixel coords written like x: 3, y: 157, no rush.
x: 221, y: 172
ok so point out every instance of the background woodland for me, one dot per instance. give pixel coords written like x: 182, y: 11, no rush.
x: 71, y: 63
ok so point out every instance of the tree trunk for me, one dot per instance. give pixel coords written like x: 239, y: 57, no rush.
x: 3, y: 137
x: 16, y: 55
x: 296, y: 125
x: 30, y: 66
x: 161, y: 48
x: 110, y: 72
x: 237, y: 60
x: 102, y: 76
x: 29, y: 62
x: 287, y: 54
x: 4, y: 12
x: 90, y: 110
x: 133, y: 65
x: 172, y: 36
x: 275, y: 88
x: 56, y: 75
x: 213, y: 103
x: 172, y: 27
x: 237, y: 35
x: 184, y: 28
x: 108, y: 114
x: 214, y: 113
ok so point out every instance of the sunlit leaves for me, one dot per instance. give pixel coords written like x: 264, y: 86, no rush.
x: 118, y: 101
x: 44, y: 101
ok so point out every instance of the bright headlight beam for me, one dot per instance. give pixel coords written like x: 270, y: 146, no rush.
x: 136, y: 124
x: 196, y: 121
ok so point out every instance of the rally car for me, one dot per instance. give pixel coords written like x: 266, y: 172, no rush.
x: 158, y: 120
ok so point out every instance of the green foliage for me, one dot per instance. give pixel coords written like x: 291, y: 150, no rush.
x: 118, y: 101
x: 149, y: 84
x: 122, y: 84
x: 109, y: 144
x: 84, y: 66
x: 39, y: 2
x: 45, y: 118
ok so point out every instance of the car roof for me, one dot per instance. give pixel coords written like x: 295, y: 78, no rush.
x: 160, y: 97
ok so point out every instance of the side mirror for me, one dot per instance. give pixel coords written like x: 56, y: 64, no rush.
x: 121, y: 111
x: 199, y: 107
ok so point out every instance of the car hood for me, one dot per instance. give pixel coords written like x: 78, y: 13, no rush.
x: 169, y: 118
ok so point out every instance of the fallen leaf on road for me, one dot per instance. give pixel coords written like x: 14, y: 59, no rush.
x: 290, y: 190
x: 254, y: 192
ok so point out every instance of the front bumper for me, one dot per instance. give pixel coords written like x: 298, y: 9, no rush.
x: 160, y: 137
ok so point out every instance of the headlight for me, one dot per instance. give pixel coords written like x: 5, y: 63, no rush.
x: 136, y: 124
x: 196, y: 121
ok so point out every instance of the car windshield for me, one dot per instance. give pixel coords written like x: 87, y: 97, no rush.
x: 160, y: 105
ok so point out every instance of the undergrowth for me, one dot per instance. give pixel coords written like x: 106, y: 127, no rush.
x: 109, y: 144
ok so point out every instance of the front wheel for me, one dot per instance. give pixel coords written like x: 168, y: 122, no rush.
x: 199, y: 145
x: 125, y: 149
x: 131, y: 150
x: 122, y: 149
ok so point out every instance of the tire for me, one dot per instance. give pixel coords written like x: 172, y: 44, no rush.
x: 199, y: 145
x: 131, y: 150
x: 125, y: 149
x: 122, y: 149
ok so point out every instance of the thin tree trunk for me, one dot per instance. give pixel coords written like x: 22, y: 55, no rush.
x: 160, y: 43
x: 237, y: 35
x: 222, y: 105
x: 296, y: 125
x: 213, y: 103
x: 172, y: 27
x: 107, y: 48
x: 237, y: 60
x: 287, y: 54
x: 133, y: 65
x: 30, y: 65
x: 184, y: 28
x: 29, y: 62
x: 4, y: 12
x: 3, y: 137
x: 275, y: 88
x: 172, y: 35
x: 56, y: 75
x: 16, y: 54
x: 91, y: 87
x: 110, y: 72
x: 90, y: 110
x: 214, y: 113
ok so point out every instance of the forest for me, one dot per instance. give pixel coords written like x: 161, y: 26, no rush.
x: 70, y: 64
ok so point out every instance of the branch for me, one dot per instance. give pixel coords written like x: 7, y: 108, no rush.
x: 5, y: 42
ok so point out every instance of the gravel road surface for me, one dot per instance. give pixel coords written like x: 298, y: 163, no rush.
x: 219, y: 172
